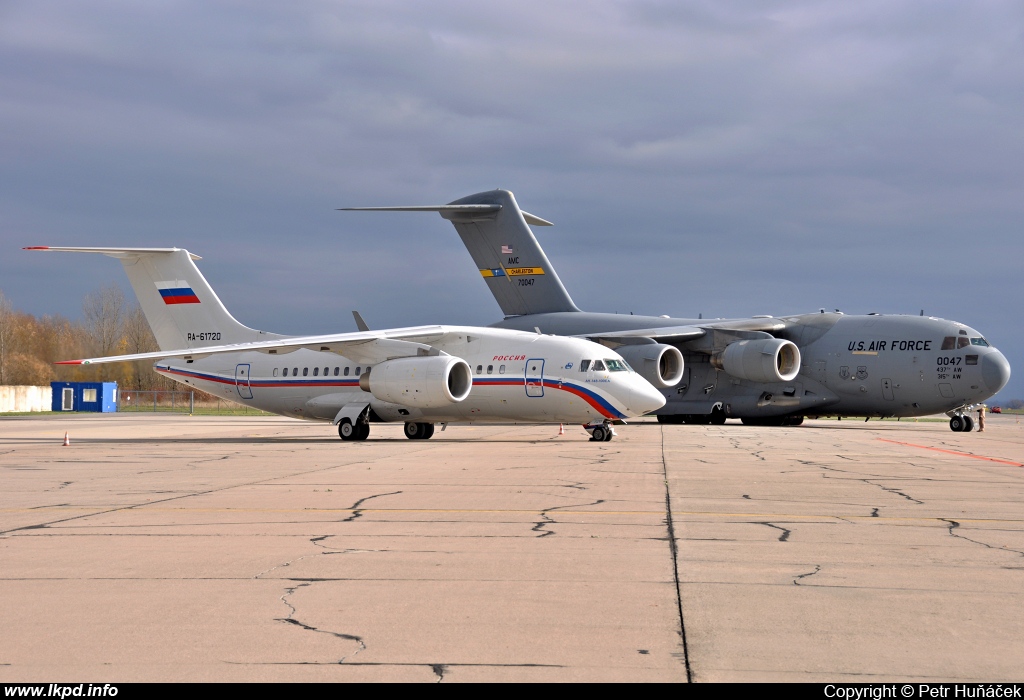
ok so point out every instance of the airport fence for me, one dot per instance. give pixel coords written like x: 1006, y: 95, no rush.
x: 188, y: 402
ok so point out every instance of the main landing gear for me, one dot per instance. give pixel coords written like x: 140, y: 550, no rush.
x: 961, y: 423
x: 419, y: 431
x: 348, y: 431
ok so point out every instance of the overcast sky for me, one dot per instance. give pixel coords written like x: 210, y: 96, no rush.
x: 722, y: 158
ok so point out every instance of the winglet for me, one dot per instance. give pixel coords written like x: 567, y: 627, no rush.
x: 360, y: 323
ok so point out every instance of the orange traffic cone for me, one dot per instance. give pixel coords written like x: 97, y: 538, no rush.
x: 66, y: 441
x: 561, y: 428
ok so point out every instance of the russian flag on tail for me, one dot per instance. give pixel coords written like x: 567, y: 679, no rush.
x: 177, y: 292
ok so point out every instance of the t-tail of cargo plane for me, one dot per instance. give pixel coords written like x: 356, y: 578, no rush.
x: 495, y: 232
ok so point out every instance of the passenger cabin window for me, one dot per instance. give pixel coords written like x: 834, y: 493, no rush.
x: 584, y: 365
x: 316, y: 371
x: 490, y: 369
x: 295, y: 371
x: 598, y: 366
x: 479, y: 369
x: 346, y: 371
x: 285, y: 371
x: 359, y: 371
x: 336, y: 371
x: 305, y: 371
x: 326, y: 370
x: 501, y: 369
x: 949, y: 342
x: 979, y: 341
x: 275, y: 371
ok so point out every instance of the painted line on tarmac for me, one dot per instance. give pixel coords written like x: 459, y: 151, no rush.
x: 954, y: 452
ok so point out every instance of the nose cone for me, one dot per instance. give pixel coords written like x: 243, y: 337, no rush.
x: 995, y: 371
x: 644, y: 398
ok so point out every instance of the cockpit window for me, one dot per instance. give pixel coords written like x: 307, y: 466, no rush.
x: 962, y: 342
x: 949, y: 342
x: 584, y: 365
x: 598, y: 366
x: 979, y: 341
x: 617, y: 365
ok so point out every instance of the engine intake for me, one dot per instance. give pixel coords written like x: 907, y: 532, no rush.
x: 661, y: 365
x: 419, y: 382
x: 762, y: 360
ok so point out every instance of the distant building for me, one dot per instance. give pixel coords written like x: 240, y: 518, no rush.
x: 100, y: 397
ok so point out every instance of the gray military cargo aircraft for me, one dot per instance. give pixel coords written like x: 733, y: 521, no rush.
x: 763, y: 370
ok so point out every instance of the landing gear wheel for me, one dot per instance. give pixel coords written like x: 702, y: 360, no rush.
x: 346, y: 430
x: 608, y: 435
x: 600, y: 434
x: 419, y: 431
x: 968, y: 424
x: 362, y: 431
x: 956, y: 424
x: 717, y: 417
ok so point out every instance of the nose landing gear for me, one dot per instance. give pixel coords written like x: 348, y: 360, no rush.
x: 602, y: 432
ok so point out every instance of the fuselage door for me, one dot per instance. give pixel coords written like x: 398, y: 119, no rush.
x: 535, y: 377
x: 887, y: 389
x: 242, y: 381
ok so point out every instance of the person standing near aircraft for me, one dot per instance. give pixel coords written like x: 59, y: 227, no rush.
x: 417, y: 376
x: 763, y: 370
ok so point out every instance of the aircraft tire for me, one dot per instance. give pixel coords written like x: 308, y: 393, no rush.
x: 346, y: 430
x: 419, y: 431
x: 608, y: 435
x: 667, y: 420
x: 600, y: 434
x: 968, y: 424
x: 362, y: 431
x: 956, y: 424
x: 717, y: 417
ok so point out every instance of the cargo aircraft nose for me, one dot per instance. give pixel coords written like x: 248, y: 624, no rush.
x: 995, y: 371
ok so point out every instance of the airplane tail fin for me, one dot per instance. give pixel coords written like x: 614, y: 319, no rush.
x: 495, y: 231
x: 181, y: 307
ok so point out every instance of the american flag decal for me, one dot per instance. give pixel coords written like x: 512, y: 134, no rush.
x: 506, y: 250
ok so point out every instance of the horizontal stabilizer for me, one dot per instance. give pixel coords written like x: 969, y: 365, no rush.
x: 112, y: 252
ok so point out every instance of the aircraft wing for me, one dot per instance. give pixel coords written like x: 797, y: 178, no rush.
x: 367, y: 347
x: 681, y: 334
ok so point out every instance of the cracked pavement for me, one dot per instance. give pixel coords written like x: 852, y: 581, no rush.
x: 170, y: 548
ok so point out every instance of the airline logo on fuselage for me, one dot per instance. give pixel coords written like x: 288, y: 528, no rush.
x: 177, y: 292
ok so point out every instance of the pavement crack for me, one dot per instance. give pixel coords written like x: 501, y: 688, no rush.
x: 674, y: 551
x: 895, y: 491
x: 784, y: 537
x: 438, y: 670
x: 954, y: 525
x: 796, y: 581
x: 356, y: 513
x: 291, y: 620
x: 539, y: 526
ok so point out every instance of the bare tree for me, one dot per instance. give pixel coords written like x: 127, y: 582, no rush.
x: 139, y: 338
x: 104, y: 311
x: 6, y: 334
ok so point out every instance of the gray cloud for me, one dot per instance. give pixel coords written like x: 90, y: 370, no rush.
x: 724, y: 158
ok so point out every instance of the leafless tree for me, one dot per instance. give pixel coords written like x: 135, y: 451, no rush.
x: 104, y: 311
x: 6, y: 334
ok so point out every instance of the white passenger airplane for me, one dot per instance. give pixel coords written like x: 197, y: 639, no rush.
x: 420, y: 376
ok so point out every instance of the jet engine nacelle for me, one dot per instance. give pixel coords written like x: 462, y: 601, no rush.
x: 762, y: 360
x: 661, y: 365
x: 419, y: 382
